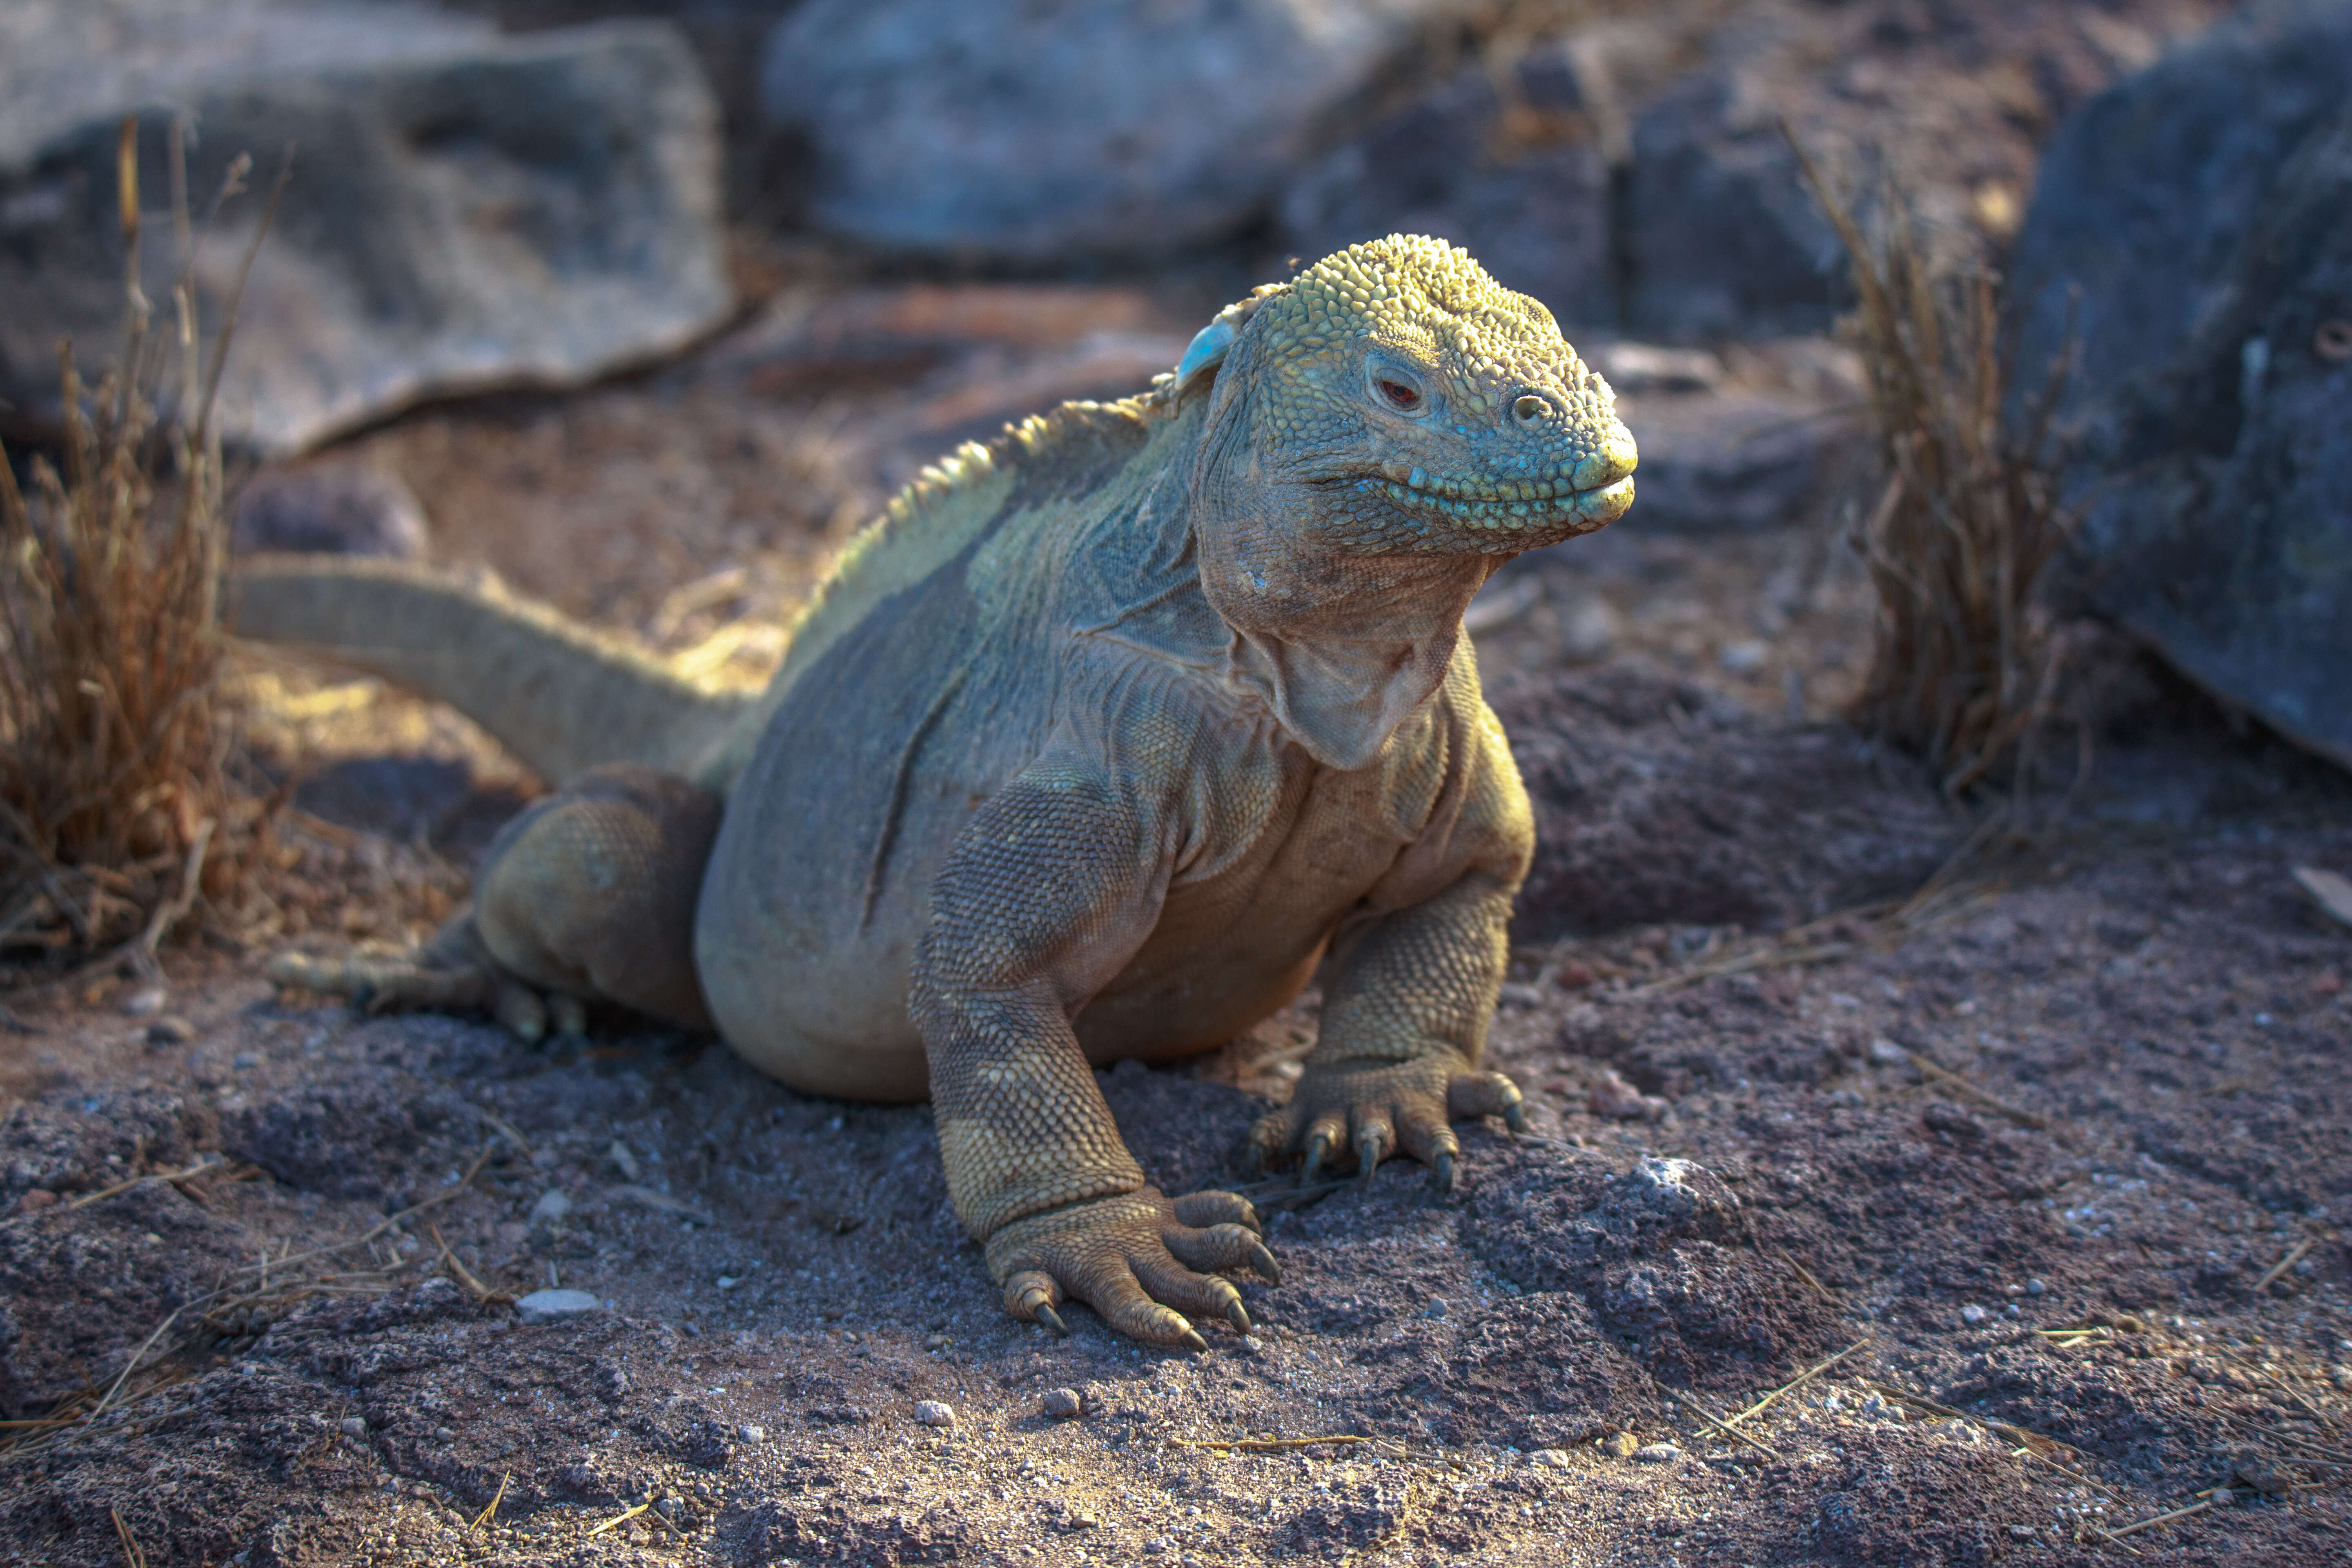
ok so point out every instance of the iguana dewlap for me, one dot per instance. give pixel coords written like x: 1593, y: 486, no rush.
x: 1095, y: 746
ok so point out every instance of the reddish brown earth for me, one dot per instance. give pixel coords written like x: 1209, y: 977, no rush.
x: 2160, y: 1014
x: 2057, y: 1156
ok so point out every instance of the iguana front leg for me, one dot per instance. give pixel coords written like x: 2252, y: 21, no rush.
x: 1049, y: 891
x: 1411, y: 995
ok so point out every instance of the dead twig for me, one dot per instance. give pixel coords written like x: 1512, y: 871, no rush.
x: 619, y: 1520
x: 497, y: 1497
x: 170, y: 913
x: 1263, y: 1444
x: 210, y: 1161
x: 1724, y: 1428
x: 2295, y: 1254
x: 2178, y: 1513
x: 130, y: 1552
x: 1960, y: 1086
x: 1815, y: 1286
x: 464, y: 1276
x: 1797, y: 1382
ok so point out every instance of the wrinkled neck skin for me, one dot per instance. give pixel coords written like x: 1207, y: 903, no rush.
x: 1342, y: 647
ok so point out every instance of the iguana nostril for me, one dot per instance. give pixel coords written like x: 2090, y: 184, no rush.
x: 1531, y: 409
x: 1615, y: 460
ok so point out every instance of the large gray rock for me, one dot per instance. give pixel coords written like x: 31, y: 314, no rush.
x: 1536, y: 216
x: 2200, y: 216
x: 2148, y: 191
x: 1009, y: 129
x: 466, y: 210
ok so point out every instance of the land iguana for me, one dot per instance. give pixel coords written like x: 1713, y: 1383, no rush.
x: 1100, y: 741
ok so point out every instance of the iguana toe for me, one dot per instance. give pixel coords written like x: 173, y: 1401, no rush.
x: 1474, y: 1094
x: 568, y: 1015
x: 1134, y: 1260
x: 519, y: 1008
x: 1202, y: 1210
x: 1381, y: 1107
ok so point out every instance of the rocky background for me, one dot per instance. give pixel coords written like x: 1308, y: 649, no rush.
x: 647, y: 308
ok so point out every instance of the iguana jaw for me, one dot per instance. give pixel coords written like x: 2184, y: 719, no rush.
x: 1520, y: 515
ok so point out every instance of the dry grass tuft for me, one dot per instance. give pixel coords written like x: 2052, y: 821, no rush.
x: 1964, y: 665
x: 118, y: 813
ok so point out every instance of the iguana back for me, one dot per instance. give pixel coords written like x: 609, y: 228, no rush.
x: 565, y: 697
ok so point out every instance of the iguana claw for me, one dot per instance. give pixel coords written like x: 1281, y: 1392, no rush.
x: 1317, y: 1147
x: 1139, y: 1259
x: 1385, y: 1108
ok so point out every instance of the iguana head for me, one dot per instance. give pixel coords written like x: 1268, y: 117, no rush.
x: 1381, y: 433
x: 1415, y: 405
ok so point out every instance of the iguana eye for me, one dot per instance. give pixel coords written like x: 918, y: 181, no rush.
x: 1529, y: 409
x: 1397, y: 388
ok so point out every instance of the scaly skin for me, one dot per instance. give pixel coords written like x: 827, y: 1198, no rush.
x: 1096, y: 746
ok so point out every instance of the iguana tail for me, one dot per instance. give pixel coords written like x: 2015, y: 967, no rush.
x: 558, y: 695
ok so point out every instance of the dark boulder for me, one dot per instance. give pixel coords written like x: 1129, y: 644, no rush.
x: 2196, y: 222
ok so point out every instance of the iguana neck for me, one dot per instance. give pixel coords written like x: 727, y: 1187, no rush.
x: 1341, y: 677
x: 1339, y: 649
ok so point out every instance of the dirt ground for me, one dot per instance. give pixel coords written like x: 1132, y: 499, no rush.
x: 2049, y: 1148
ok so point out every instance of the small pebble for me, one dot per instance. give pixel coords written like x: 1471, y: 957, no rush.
x: 1436, y: 1307
x: 354, y: 1428
x: 1972, y: 1313
x: 1619, y: 1100
x: 1550, y: 1458
x: 1619, y: 1445
x: 554, y: 1306
x: 1739, y: 658
x: 170, y: 1030
x: 2036, y: 1288
x: 552, y: 1205
x: 750, y: 1432
x: 146, y: 1001
x: 1251, y: 1344
x: 36, y: 1198
x: 245, y: 1062
x: 932, y: 1413
x: 1062, y: 1404
x: 1886, y: 1053
x: 727, y: 1281
x: 1657, y: 1454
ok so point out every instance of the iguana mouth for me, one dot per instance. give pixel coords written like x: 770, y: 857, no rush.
x: 1500, y: 505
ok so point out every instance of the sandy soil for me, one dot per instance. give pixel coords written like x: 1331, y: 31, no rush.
x: 2052, y: 1158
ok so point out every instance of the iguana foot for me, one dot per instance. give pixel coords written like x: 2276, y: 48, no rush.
x: 1376, y: 1108
x: 452, y: 974
x: 1140, y: 1259
x: 587, y: 895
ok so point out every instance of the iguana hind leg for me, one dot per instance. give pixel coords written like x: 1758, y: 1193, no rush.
x: 587, y: 896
